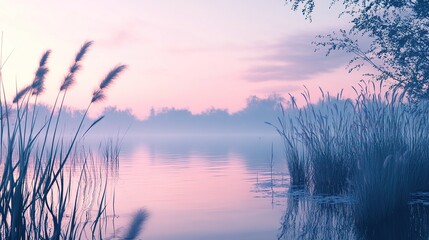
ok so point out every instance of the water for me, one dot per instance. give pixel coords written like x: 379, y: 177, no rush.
x: 231, y: 188
x: 202, y: 188
x: 208, y: 188
x: 331, y: 217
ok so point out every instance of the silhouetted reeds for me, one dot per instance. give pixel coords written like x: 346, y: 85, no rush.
x: 38, y: 199
x: 136, y: 224
x: 317, y: 141
x: 373, y: 147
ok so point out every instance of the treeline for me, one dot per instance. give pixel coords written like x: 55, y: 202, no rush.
x: 172, y: 121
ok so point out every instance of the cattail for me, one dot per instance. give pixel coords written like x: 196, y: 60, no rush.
x: 98, y: 94
x: 70, y: 77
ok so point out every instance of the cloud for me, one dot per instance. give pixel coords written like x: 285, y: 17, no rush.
x: 283, y: 89
x: 294, y: 59
x: 123, y: 37
x: 124, y: 34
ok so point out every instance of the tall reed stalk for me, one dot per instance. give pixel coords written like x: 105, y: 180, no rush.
x: 318, y: 143
x: 38, y: 199
x: 373, y: 147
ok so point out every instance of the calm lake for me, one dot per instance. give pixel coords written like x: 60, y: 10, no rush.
x: 202, y: 188
x: 231, y: 188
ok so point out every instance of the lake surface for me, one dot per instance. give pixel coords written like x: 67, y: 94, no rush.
x: 230, y: 188
x: 201, y: 188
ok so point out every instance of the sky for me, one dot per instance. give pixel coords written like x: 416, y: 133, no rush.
x: 193, y: 54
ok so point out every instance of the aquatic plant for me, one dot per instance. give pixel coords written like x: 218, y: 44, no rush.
x: 318, y: 143
x: 37, y: 197
x: 373, y: 147
x: 392, y: 157
x: 136, y: 224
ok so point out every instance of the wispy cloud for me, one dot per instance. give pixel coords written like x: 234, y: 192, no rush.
x: 282, y: 89
x: 295, y: 59
x: 126, y: 33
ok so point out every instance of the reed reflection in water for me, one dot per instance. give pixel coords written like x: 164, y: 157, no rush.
x: 331, y: 217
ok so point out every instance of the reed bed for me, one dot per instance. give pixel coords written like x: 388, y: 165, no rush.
x: 374, y: 147
x: 317, y: 143
x: 38, y: 199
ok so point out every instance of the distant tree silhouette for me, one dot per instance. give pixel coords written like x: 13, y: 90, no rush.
x: 257, y: 107
x: 399, y: 34
x: 250, y: 120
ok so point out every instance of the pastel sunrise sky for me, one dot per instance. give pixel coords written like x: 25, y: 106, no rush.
x: 193, y: 54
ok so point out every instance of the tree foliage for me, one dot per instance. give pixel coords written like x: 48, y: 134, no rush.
x: 399, y: 34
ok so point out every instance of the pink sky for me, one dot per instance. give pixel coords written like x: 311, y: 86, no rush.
x: 192, y: 54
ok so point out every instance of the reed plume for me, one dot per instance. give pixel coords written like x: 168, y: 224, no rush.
x: 37, y: 86
x: 39, y: 79
x: 36, y: 201
x: 70, y: 77
x: 21, y: 94
x: 136, y: 224
x: 98, y: 94
x: 44, y: 58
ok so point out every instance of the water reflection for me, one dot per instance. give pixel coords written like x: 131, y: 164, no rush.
x: 212, y: 188
x: 331, y: 217
x: 253, y: 150
x: 229, y: 188
x: 272, y: 185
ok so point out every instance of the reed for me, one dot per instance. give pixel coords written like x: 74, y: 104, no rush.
x: 38, y: 199
x: 136, y: 224
x: 317, y: 141
x: 373, y: 147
